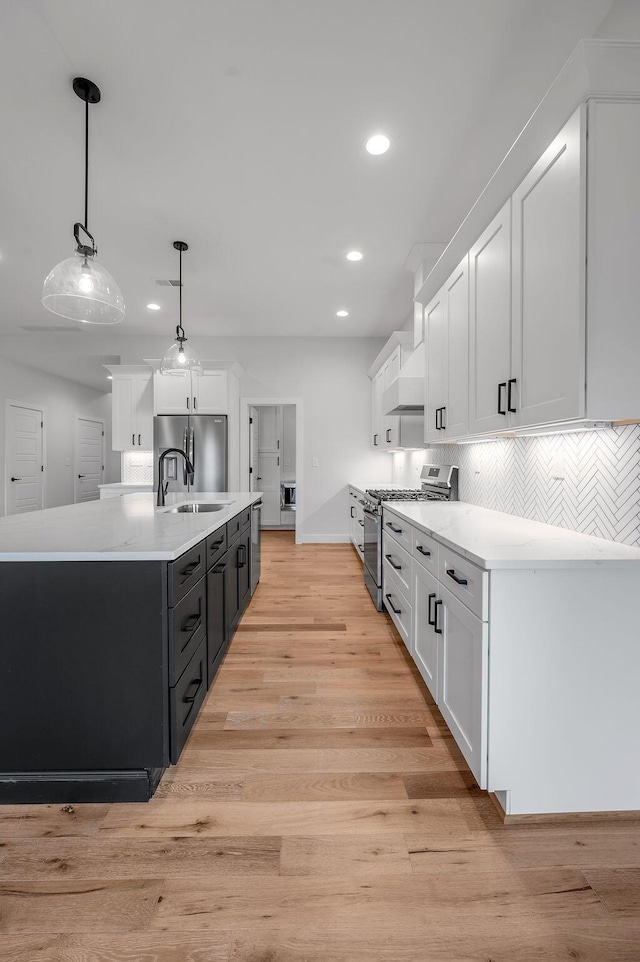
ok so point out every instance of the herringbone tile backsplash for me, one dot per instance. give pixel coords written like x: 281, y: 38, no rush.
x: 599, y: 493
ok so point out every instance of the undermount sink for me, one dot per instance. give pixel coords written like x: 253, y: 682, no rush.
x: 196, y: 507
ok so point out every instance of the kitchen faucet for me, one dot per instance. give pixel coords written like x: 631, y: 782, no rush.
x: 164, y: 485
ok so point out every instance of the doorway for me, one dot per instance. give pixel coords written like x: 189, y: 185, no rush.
x: 89, y: 459
x: 24, y: 458
x: 271, y: 459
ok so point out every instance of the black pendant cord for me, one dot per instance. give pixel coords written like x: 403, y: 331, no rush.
x: 180, y: 295
x: 86, y: 166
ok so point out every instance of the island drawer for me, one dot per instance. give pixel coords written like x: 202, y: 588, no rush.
x: 237, y: 525
x: 186, y: 571
x: 187, y: 628
x: 216, y: 546
x: 186, y: 699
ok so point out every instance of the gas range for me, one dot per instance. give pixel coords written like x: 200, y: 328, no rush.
x: 439, y: 483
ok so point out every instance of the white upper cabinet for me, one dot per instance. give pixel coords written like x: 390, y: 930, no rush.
x: 547, y: 379
x: 447, y: 367
x: 132, y: 407
x: 191, y: 394
x: 434, y: 336
x: 392, y: 432
x: 490, y: 325
x: 377, y: 387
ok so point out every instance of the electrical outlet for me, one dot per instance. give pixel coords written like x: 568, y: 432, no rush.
x: 315, y: 463
x: 287, y: 462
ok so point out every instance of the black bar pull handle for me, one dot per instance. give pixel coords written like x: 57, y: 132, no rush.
x: 220, y: 568
x: 216, y: 544
x: 443, y: 426
x: 191, y: 568
x: 423, y: 550
x: 438, y: 419
x: 195, y: 404
x: 390, y: 560
x: 362, y: 523
x: 458, y: 581
x: 361, y: 547
x: 396, y: 611
x: 133, y: 439
x: 352, y: 514
x: 242, y: 548
x: 388, y: 433
x: 395, y: 530
x: 437, y: 630
x: 189, y: 699
x: 501, y: 387
x: 430, y: 616
x: 375, y: 440
x: 192, y: 624
x: 511, y: 383
x: 139, y: 441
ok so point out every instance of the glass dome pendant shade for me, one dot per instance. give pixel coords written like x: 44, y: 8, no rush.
x: 79, y: 288
x: 180, y: 360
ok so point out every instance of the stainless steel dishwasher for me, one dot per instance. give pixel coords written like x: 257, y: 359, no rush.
x: 255, y: 545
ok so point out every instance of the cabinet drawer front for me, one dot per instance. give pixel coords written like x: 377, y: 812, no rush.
x: 465, y: 580
x: 398, y: 606
x: 397, y: 562
x: 185, y: 700
x: 216, y: 614
x: 425, y: 550
x: 237, y: 525
x: 187, y: 628
x: 216, y: 546
x: 186, y: 571
x: 400, y: 530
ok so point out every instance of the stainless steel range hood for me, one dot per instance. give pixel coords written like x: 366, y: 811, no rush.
x: 405, y: 395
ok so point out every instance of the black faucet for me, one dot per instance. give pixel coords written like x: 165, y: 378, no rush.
x: 164, y: 485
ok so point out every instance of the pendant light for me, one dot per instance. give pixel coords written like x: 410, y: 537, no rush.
x: 79, y: 288
x: 180, y: 360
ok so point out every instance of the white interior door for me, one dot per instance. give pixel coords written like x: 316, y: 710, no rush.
x: 89, y: 459
x: 268, y: 479
x: 24, y: 462
x: 254, y: 447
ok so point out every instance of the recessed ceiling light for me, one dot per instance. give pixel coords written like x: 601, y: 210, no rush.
x: 109, y: 377
x: 378, y: 144
x: 342, y: 313
x: 153, y: 307
x: 354, y: 256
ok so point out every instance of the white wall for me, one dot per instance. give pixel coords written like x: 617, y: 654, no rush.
x: 622, y: 22
x: 62, y: 401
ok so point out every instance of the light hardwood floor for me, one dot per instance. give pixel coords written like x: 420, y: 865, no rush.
x: 320, y: 812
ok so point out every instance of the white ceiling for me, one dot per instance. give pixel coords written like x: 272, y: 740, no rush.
x: 238, y: 126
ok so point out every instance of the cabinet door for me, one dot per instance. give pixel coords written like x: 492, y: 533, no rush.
x: 455, y: 417
x: 490, y: 326
x: 463, y: 679
x: 377, y: 432
x: 244, y: 571
x: 435, y: 373
x: 172, y: 394
x: 231, y: 598
x: 122, y: 408
x: 210, y: 393
x: 548, y: 380
x: 144, y: 411
x: 216, y: 618
x: 391, y: 423
x: 425, y: 640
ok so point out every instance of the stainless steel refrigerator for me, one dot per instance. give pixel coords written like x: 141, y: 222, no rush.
x: 203, y: 437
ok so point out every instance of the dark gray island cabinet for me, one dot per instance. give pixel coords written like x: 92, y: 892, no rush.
x: 105, y: 665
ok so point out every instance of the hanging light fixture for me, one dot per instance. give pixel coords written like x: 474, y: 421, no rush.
x: 180, y: 360
x: 79, y: 288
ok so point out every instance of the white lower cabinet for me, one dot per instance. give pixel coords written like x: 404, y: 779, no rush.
x: 425, y: 640
x: 356, y: 521
x: 397, y: 604
x: 463, y: 678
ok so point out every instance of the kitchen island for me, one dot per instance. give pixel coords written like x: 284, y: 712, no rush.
x: 115, y: 617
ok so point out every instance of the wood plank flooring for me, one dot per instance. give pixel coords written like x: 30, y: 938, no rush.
x: 321, y: 812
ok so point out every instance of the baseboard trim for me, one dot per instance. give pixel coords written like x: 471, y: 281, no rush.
x: 326, y: 539
x: 559, y: 817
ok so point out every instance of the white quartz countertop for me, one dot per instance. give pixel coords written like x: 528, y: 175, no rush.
x: 130, y: 528
x: 127, y: 484
x: 495, y: 540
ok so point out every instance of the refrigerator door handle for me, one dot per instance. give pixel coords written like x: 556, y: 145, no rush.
x: 192, y: 448
x: 184, y: 463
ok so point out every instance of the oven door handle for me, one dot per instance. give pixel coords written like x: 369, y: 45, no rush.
x: 370, y: 512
